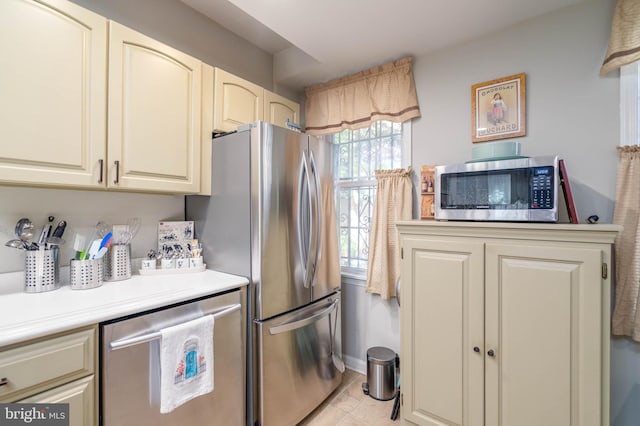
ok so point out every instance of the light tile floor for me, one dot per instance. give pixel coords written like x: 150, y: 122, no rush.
x: 349, y: 406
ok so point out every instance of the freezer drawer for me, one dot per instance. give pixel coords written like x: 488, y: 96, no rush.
x: 126, y: 347
x: 296, y: 371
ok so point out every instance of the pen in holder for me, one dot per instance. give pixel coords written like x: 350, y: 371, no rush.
x: 41, y: 270
x: 85, y: 274
x: 118, y: 262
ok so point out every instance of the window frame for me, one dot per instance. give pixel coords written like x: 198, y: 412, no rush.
x: 406, y: 144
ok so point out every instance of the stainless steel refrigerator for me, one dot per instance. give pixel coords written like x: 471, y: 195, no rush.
x: 271, y: 218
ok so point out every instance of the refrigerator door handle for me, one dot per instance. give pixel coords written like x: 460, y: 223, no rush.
x: 293, y: 325
x: 318, y: 222
x: 309, y: 259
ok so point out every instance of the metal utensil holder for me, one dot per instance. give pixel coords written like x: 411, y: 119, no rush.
x: 41, y: 270
x: 85, y: 274
x: 118, y: 262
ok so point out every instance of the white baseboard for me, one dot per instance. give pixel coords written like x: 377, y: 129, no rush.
x: 355, y: 364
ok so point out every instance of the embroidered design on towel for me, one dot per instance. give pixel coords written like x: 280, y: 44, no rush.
x: 192, y: 364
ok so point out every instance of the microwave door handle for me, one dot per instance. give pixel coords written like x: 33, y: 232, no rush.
x: 294, y: 325
x: 132, y: 341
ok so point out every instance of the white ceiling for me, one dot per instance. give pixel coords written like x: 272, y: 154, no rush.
x: 316, y: 40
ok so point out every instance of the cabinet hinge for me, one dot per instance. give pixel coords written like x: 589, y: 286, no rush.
x: 604, y: 271
x: 401, y: 399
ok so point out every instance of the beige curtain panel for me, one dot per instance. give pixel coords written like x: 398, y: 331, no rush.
x: 626, y: 317
x: 624, y: 43
x: 329, y: 269
x: 393, y: 203
x: 385, y: 92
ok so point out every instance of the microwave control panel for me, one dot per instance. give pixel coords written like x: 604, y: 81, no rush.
x: 542, y: 187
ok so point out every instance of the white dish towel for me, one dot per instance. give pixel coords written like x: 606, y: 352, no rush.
x: 186, y: 362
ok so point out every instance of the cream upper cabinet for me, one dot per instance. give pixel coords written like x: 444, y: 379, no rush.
x: 277, y: 109
x: 505, y: 324
x: 236, y: 101
x: 53, y: 84
x: 154, y: 114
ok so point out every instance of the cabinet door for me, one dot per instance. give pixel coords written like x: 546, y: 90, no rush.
x: 544, y: 322
x: 236, y: 101
x: 53, y: 86
x: 277, y: 109
x: 80, y: 396
x: 154, y: 115
x: 442, y: 377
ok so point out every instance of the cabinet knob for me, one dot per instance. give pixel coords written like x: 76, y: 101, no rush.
x: 476, y: 349
x: 491, y: 353
x: 4, y: 381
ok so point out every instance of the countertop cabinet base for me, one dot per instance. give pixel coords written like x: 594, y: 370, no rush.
x: 504, y: 324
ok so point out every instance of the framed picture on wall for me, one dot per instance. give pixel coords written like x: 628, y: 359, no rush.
x: 498, y: 109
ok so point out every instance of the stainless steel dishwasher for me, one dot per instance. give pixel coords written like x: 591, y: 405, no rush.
x: 126, y: 383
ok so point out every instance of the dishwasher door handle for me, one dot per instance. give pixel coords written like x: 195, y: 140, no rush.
x: 131, y: 341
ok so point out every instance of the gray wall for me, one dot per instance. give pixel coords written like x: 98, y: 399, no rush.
x: 571, y: 110
x: 177, y: 25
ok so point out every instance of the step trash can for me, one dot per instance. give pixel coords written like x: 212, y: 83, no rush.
x: 381, y: 374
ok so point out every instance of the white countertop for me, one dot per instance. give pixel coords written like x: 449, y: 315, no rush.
x: 25, y: 316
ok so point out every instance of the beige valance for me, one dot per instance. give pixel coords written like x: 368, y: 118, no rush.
x: 624, y: 43
x: 385, y: 92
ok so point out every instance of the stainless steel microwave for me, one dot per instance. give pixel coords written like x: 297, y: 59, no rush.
x: 518, y: 190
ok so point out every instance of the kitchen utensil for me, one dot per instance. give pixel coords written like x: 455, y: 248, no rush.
x: 24, y: 229
x: 93, y: 249
x: 134, y: 226
x: 106, y: 241
x: 78, y: 246
x: 19, y: 244
x: 55, y: 241
x: 102, y: 229
x: 57, y: 233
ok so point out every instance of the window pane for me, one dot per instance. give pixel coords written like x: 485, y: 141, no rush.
x: 357, y: 155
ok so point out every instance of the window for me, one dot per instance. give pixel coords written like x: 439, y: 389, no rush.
x: 629, y: 104
x: 357, y: 155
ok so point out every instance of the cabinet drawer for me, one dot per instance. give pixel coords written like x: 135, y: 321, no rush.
x: 33, y: 367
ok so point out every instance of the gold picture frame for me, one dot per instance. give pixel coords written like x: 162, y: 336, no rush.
x: 498, y: 109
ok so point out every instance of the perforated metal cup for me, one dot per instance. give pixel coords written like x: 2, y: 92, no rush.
x: 118, y: 262
x: 85, y: 274
x: 41, y: 270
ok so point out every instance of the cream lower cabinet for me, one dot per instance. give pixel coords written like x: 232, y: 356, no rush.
x: 56, y: 369
x: 154, y: 114
x: 80, y: 395
x: 504, y: 324
x: 53, y: 66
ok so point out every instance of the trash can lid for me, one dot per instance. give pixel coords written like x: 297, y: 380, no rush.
x: 379, y: 354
